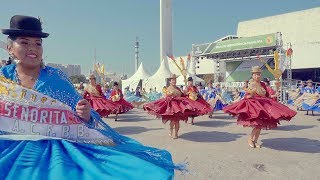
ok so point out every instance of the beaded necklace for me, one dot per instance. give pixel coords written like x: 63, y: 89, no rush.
x: 18, y: 80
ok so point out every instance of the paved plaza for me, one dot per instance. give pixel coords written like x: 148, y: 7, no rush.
x: 217, y: 148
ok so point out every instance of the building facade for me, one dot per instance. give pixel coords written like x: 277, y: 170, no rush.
x: 301, y: 29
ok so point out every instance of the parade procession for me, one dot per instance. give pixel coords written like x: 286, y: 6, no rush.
x: 184, y: 121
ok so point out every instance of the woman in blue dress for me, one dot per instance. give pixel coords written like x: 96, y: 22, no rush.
x: 106, y: 91
x: 135, y: 99
x: 33, y: 157
x: 153, y: 95
x: 221, y: 102
x: 214, y: 98
x: 311, y: 101
x: 242, y: 92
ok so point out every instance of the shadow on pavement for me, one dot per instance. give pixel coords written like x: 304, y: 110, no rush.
x: 128, y: 130
x: 131, y: 112
x: 210, y: 136
x: 222, y: 117
x: 293, y: 144
x: 128, y: 118
x: 212, y: 123
x: 132, y: 119
x: 294, y: 127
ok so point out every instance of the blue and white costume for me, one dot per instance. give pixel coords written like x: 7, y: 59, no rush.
x: 47, y: 158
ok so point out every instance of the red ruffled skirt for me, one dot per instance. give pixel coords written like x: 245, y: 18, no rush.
x: 124, y: 106
x: 103, y: 106
x: 260, y: 112
x: 176, y: 108
x: 207, y: 107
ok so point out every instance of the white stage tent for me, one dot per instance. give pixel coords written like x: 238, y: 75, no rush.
x: 159, y: 79
x: 140, y: 75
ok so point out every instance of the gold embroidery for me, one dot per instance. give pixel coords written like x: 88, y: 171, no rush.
x: 14, y: 94
x: 256, y: 88
x: 33, y: 97
x: 23, y: 93
x: 43, y: 99
x: 3, y: 90
x: 173, y: 91
x: 115, y: 97
x: 193, y: 95
x: 92, y: 90
x: 5, y: 80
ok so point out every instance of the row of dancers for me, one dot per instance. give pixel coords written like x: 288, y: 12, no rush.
x: 103, y: 103
x: 257, y: 108
x: 305, y: 97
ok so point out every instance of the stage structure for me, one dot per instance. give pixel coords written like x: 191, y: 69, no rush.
x: 240, y: 54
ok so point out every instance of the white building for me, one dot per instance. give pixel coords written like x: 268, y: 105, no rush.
x: 73, y: 69
x: 301, y: 29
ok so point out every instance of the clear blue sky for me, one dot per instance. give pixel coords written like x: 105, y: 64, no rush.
x: 77, y: 27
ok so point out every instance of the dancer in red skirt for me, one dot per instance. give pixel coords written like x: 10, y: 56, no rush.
x: 193, y: 94
x: 99, y: 103
x: 257, y: 109
x: 174, y: 107
x: 117, y: 97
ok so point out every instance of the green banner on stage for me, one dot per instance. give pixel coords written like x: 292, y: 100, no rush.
x: 267, y: 40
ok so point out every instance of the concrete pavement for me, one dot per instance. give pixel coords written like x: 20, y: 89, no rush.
x: 217, y: 148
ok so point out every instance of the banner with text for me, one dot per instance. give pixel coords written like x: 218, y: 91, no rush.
x: 267, y: 40
x: 25, y: 111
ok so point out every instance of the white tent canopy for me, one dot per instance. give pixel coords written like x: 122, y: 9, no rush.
x: 159, y: 79
x: 133, y: 81
x: 180, y: 80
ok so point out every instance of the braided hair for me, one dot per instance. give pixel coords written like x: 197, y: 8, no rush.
x: 10, y: 41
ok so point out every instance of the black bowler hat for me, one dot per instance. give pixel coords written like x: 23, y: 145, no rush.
x: 190, y: 79
x: 25, y: 26
x: 266, y: 80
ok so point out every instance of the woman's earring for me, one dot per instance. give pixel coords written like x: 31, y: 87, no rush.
x: 11, y: 58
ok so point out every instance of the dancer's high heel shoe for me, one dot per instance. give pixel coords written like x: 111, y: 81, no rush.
x: 250, y: 142
x: 257, y: 145
x: 175, y: 135
x: 170, y: 132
